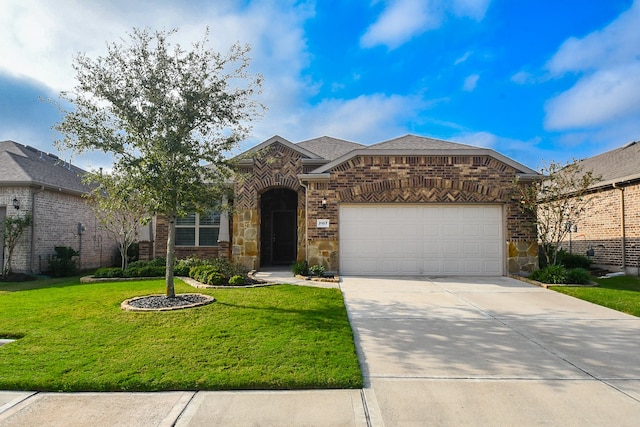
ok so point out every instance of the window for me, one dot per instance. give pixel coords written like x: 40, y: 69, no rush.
x: 198, y: 229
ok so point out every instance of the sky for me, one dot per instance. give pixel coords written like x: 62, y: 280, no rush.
x: 536, y: 80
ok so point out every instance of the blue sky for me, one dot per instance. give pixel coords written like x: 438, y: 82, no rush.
x: 536, y: 80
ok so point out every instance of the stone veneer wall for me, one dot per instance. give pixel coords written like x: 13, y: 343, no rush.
x: 420, y: 179
x: 274, y: 167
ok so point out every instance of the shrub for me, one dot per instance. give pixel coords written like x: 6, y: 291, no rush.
x: 201, y: 273
x: 301, y: 268
x: 108, y: 272
x: 579, y: 276
x: 183, y: 266
x: 570, y: 260
x: 137, y: 264
x: 145, y: 271
x: 236, y: 280
x: 316, y: 270
x: 228, y: 268
x: 553, y: 274
x: 160, y: 262
x: 62, y: 263
x: 215, y: 278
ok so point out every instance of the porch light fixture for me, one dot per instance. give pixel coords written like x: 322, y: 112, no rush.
x: 323, y: 203
x: 16, y: 204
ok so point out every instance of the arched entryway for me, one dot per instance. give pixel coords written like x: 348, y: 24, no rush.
x: 278, y: 227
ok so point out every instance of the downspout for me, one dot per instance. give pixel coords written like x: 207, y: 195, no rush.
x: 33, y: 227
x: 623, y: 225
x: 306, y: 221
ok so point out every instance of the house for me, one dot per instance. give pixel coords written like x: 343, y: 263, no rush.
x: 50, y: 190
x: 408, y: 206
x: 609, y: 231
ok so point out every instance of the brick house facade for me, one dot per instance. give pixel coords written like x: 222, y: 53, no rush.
x: 609, y: 231
x: 291, y: 200
x: 49, y: 190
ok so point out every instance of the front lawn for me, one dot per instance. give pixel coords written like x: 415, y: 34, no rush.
x: 619, y: 293
x: 75, y: 337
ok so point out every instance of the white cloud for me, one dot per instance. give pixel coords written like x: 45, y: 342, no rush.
x: 402, y: 20
x: 523, y: 77
x: 470, y: 83
x: 463, y: 58
x: 607, y: 63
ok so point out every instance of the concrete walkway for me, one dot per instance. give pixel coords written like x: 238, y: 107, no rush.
x: 448, y: 351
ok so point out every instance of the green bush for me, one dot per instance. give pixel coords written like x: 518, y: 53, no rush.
x: 316, y: 270
x: 236, y: 280
x: 301, y: 268
x: 144, y: 269
x: 215, y: 278
x: 62, y: 263
x: 108, y: 272
x: 201, y: 273
x: 228, y: 268
x: 160, y: 262
x: 553, y: 274
x: 183, y: 266
x: 579, y: 276
x: 570, y: 260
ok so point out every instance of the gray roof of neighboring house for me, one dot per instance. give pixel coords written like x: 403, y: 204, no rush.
x: 615, y: 166
x: 329, y: 148
x: 24, y: 166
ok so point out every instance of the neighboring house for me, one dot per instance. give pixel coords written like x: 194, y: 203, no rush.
x: 407, y: 206
x: 50, y: 190
x: 609, y: 231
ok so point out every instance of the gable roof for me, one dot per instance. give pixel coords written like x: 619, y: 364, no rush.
x: 413, y: 145
x: 615, y: 166
x: 329, y: 148
x: 23, y: 165
x: 246, y: 156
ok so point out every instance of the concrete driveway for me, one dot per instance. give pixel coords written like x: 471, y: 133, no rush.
x: 491, y: 351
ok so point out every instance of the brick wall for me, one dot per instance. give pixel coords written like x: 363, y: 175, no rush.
x: 600, y: 228
x: 377, y: 179
x: 56, y: 216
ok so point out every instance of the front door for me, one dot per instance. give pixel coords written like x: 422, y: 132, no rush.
x: 278, y: 226
x: 283, y: 237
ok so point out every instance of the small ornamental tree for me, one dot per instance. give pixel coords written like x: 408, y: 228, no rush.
x: 168, y: 116
x: 557, y: 200
x: 119, y: 209
x: 11, y: 229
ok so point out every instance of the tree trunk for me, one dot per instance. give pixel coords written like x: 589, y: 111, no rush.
x: 171, y: 255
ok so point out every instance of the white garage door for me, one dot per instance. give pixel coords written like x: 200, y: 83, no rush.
x: 421, y: 240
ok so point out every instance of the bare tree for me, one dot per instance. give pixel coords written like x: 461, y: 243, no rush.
x: 11, y: 229
x: 557, y: 201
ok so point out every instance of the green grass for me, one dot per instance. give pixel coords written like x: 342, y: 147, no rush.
x: 619, y: 293
x: 75, y: 337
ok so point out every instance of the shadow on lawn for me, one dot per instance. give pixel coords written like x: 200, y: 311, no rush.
x: 40, y: 283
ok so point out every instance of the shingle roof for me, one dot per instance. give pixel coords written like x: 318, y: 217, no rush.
x: 329, y: 148
x: 414, y: 142
x: 24, y: 165
x: 619, y: 165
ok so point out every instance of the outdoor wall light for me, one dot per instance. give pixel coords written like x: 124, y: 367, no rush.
x: 16, y: 204
x: 323, y: 203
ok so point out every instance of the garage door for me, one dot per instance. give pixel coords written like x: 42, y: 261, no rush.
x: 421, y: 239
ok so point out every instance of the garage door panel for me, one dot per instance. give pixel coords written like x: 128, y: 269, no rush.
x: 421, y: 239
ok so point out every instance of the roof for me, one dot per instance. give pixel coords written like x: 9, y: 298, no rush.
x: 23, y: 165
x: 414, y: 142
x: 413, y: 145
x: 615, y: 166
x: 329, y: 148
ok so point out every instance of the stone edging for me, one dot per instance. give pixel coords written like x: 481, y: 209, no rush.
x: 334, y: 279
x: 127, y: 307
x: 548, y: 285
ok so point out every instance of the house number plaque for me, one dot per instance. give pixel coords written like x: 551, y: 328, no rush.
x: 322, y: 223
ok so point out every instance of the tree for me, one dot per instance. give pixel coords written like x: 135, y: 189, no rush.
x: 167, y: 115
x: 557, y: 202
x: 11, y: 230
x: 118, y: 208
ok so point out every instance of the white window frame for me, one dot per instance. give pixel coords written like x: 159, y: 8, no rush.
x: 196, y: 227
